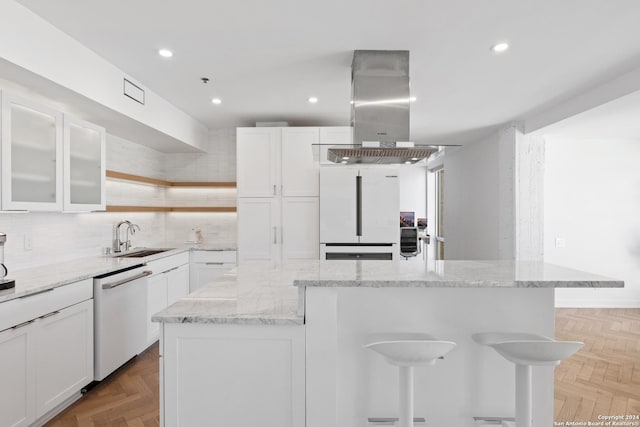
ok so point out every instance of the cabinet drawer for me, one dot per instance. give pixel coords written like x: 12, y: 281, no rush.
x: 213, y: 256
x: 27, y: 308
x: 164, y: 264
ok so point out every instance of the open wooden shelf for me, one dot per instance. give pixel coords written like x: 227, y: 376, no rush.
x: 117, y: 208
x: 162, y: 183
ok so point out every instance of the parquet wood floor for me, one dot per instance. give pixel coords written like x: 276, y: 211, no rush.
x: 603, y: 378
x: 128, y: 398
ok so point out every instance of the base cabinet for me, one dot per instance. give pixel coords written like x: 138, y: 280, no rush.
x: 64, y: 359
x: 206, y: 266
x: 17, y: 403
x: 169, y: 283
x: 45, y: 361
x: 232, y: 375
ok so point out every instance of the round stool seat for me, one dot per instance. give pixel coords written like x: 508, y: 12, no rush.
x: 488, y: 338
x: 526, y: 350
x: 409, y: 349
x: 537, y: 353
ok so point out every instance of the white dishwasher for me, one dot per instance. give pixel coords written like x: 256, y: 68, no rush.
x: 120, y: 301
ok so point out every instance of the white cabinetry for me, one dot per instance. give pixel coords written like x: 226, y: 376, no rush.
x: 258, y: 173
x: 258, y: 225
x: 84, y: 165
x: 177, y: 283
x: 237, y: 375
x: 205, y: 266
x: 49, y: 164
x: 169, y: 282
x: 17, y: 389
x: 278, y: 181
x: 64, y: 359
x: 46, y: 348
x: 31, y: 156
x: 299, y: 229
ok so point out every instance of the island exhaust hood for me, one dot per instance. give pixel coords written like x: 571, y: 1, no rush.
x: 380, y: 111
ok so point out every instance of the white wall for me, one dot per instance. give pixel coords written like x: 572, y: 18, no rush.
x: 592, y: 200
x: 479, y: 198
x: 413, y: 189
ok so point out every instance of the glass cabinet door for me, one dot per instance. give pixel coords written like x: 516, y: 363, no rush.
x: 84, y: 147
x: 31, y: 149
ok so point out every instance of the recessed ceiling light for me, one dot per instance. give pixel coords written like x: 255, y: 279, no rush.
x: 216, y: 101
x: 408, y: 162
x: 165, y: 53
x: 500, y: 47
x: 345, y: 158
x: 414, y: 158
x: 313, y: 99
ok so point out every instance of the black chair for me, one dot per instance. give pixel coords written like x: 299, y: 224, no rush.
x: 409, y: 243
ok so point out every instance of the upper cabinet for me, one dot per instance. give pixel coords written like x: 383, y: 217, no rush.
x: 258, y: 173
x: 50, y: 163
x: 300, y: 173
x: 277, y: 162
x: 84, y: 165
x: 31, y: 156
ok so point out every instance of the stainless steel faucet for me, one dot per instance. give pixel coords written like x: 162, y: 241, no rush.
x: 117, y: 242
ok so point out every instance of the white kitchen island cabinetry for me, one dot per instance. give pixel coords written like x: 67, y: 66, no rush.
x: 278, y: 190
x: 233, y: 375
x: 46, y: 345
x: 231, y: 351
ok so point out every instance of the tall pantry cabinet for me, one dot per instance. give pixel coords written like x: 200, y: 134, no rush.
x: 278, y: 194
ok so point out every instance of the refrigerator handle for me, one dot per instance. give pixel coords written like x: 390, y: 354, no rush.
x: 358, y: 205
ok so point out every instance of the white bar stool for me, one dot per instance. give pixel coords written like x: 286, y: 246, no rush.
x: 406, y: 350
x: 526, y: 350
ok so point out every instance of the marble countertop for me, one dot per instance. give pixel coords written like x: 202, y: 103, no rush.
x: 254, y: 294
x: 263, y: 293
x: 449, y: 274
x: 36, y: 279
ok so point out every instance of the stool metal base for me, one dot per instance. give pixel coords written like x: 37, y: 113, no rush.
x: 392, y: 421
x: 493, y: 420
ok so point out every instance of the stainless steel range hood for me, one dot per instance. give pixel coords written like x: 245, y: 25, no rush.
x: 380, y: 111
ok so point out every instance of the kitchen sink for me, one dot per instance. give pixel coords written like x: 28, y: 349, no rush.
x: 143, y: 253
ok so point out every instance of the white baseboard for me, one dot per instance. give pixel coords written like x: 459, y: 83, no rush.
x: 596, y: 303
x: 55, y: 411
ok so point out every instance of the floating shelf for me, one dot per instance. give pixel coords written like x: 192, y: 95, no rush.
x: 162, y: 183
x: 114, y: 208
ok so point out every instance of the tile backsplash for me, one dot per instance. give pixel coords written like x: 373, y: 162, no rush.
x: 59, y: 236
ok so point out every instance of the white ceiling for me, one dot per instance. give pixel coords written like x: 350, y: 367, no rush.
x: 265, y: 58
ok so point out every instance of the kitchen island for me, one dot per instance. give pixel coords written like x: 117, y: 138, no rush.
x: 282, y: 345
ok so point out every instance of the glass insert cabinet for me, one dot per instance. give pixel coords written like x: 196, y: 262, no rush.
x: 50, y: 161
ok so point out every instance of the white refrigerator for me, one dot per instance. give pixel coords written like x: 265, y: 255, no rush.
x: 359, y: 212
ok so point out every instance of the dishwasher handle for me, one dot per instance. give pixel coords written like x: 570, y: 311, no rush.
x: 127, y: 280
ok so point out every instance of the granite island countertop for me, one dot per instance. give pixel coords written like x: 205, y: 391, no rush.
x: 264, y: 293
x: 451, y: 274
x: 252, y: 294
